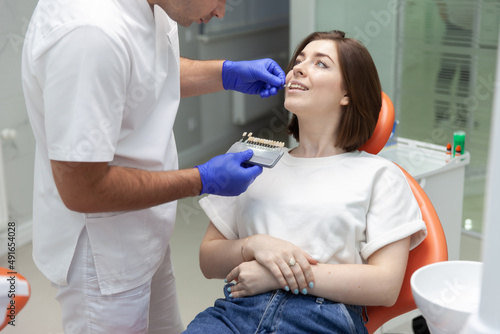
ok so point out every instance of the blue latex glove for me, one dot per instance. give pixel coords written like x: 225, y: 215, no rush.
x: 227, y: 174
x: 263, y: 76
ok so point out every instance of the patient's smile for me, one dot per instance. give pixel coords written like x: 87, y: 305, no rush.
x: 297, y: 86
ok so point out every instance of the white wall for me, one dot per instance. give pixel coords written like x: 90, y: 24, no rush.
x: 18, y: 153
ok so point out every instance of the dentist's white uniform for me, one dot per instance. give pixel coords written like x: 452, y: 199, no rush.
x: 101, y: 81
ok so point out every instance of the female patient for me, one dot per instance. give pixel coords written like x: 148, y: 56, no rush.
x: 328, y: 229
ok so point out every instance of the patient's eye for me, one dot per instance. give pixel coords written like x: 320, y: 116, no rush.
x: 321, y: 64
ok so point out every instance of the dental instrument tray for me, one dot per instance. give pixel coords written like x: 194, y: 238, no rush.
x: 266, y: 153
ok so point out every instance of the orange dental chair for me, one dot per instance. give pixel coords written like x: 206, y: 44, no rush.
x: 432, y: 249
x: 14, y: 294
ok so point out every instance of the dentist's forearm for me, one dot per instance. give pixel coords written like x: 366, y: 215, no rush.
x: 98, y: 187
x: 200, y: 77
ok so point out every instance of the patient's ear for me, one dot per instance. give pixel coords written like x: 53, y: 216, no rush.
x: 344, y: 101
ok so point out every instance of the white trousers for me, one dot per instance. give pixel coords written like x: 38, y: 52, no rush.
x: 150, y: 308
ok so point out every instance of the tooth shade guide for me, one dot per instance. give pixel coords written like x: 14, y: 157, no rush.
x: 261, y: 142
x: 266, y: 152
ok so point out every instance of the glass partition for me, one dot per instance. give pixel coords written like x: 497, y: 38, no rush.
x: 447, y: 58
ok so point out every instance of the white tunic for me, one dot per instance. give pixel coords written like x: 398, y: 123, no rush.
x: 339, y: 209
x: 102, y: 84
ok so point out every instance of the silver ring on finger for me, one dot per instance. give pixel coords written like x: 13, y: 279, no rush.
x: 292, y: 262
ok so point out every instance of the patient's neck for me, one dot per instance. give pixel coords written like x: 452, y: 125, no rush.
x: 307, y: 149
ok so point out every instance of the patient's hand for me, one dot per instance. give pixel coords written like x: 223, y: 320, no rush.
x: 251, y: 278
x: 275, y: 255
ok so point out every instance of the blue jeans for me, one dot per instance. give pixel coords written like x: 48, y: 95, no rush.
x: 278, y: 312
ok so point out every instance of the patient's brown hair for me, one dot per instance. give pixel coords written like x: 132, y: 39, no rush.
x: 362, y: 84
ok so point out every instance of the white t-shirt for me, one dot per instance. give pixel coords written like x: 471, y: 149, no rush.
x: 339, y: 209
x: 102, y: 84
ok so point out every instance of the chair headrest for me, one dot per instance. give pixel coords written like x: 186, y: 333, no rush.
x: 383, y: 128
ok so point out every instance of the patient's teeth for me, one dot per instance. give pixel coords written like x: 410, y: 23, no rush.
x: 296, y: 86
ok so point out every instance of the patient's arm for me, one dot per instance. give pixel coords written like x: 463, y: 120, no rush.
x: 375, y: 283
x: 252, y: 278
x: 218, y: 256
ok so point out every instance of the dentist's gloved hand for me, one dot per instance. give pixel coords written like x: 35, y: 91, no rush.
x: 263, y: 76
x: 227, y: 174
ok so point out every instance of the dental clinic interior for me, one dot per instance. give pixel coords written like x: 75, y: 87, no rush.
x: 441, y: 81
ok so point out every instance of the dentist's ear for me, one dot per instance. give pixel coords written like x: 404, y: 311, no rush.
x: 344, y: 101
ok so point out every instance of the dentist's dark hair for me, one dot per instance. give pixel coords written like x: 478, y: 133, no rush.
x: 361, y: 82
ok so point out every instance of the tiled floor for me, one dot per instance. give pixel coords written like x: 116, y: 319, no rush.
x: 42, y: 313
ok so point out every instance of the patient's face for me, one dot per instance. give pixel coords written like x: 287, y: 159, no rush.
x: 316, y: 80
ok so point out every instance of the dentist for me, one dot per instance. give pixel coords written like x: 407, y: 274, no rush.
x: 102, y: 82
